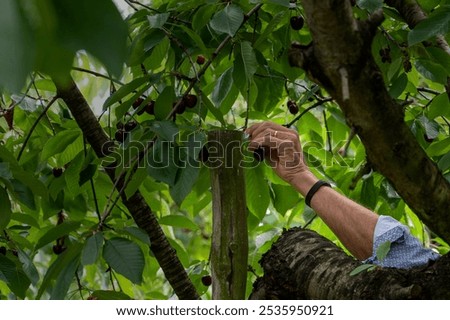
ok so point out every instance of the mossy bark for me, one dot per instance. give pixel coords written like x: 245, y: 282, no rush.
x: 229, y: 248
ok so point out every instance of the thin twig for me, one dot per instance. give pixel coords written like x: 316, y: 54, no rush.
x: 182, y: 47
x: 80, y: 286
x: 35, y: 125
x: 315, y: 105
x: 347, y: 143
x: 97, y: 74
x: 130, y: 2
x: 94, y: 193
x: 428, y: 90
x: 108, y: 207
x: 310, y: 221
x: 41, y: 100
x: 247, y: 112
x: 365, y: 169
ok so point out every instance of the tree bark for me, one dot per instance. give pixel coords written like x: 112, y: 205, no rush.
x: 340, y: 60
x: 304, y: 265
x: 136, y: 205
x: 229, y: 247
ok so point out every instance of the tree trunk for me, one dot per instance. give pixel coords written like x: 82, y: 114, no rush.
x: 136, y: 205
x: 229, y: 248
x: 305, y: 265
x: 340, y: 60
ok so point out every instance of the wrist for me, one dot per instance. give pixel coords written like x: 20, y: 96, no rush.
x: 303, y: 182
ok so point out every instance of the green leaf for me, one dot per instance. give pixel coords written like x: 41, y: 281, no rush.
x: 143, y: 44
x: 125, y: 257
x: 16, y: 46
x: 227, y: 20
x: 110, y: 295
x: 431, y: 70
x: 285, y: 198
x: 125, y: 90
x: 158, y: 20
x: 123, y: 108
x: 444, y: 162
x: 57, y: 232
x: 273, y: 24
x: 100, y: 30
x: 138, y: 234
x: 217, y: 114
x: 136, y: 181
x: 383, y: 250
x: 162, y: 165
x: 92, y: 249
x: 239, y: 77
x: 369, y: 195
x: 5, y: 209
x: 248, y: 60
x: 284, y: 3
x: 440, y: 106
x: 428, y: 5
x: 196, y: 38
x: 178, y: 221
x: 25, y: 219
x: 361, y: 268
x: 430, y: 127
x: 63, y: 260
x: 129, y: 88
x: 14, y: 277
x: 164, y: 103
x: 202, y: 17
x: 59, y: 143
x: 45, y: 85
x: 398, y: 86
x: 65, y: 278
x: 24, y: 194
x: 370, y: 5
x: 257, y: 191
x: 437, y: 23
x: 25, y: 103
x: 28, y: 267
x: 440, y: 56
x: 186, y: 177
x: 72, y: 175
x: 36, y: 186
x: 5, y: 171
x: 438, y: 148
x: 166, y: 130
x: 222, y: 87
x: 153, y: 39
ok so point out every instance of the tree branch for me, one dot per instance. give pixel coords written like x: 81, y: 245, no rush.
x: 342, y: 42
x: 304, y: 265
x: 136, y: 205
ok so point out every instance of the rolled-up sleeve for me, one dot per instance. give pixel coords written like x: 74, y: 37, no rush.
x: 405, y: 252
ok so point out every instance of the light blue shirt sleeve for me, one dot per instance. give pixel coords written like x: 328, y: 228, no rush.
x: 406, y: 251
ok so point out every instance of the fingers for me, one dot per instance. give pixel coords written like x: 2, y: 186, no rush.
x: 259, y: 128
x: 273, y: 139
x: 280, y: 143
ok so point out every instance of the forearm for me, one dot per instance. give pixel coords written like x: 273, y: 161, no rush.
x: 353, y: 224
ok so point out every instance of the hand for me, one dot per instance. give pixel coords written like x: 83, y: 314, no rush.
x: 282, y: 149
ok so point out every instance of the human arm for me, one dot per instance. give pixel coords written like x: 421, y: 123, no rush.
x: 352, y: 223
x: 360, y: 230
